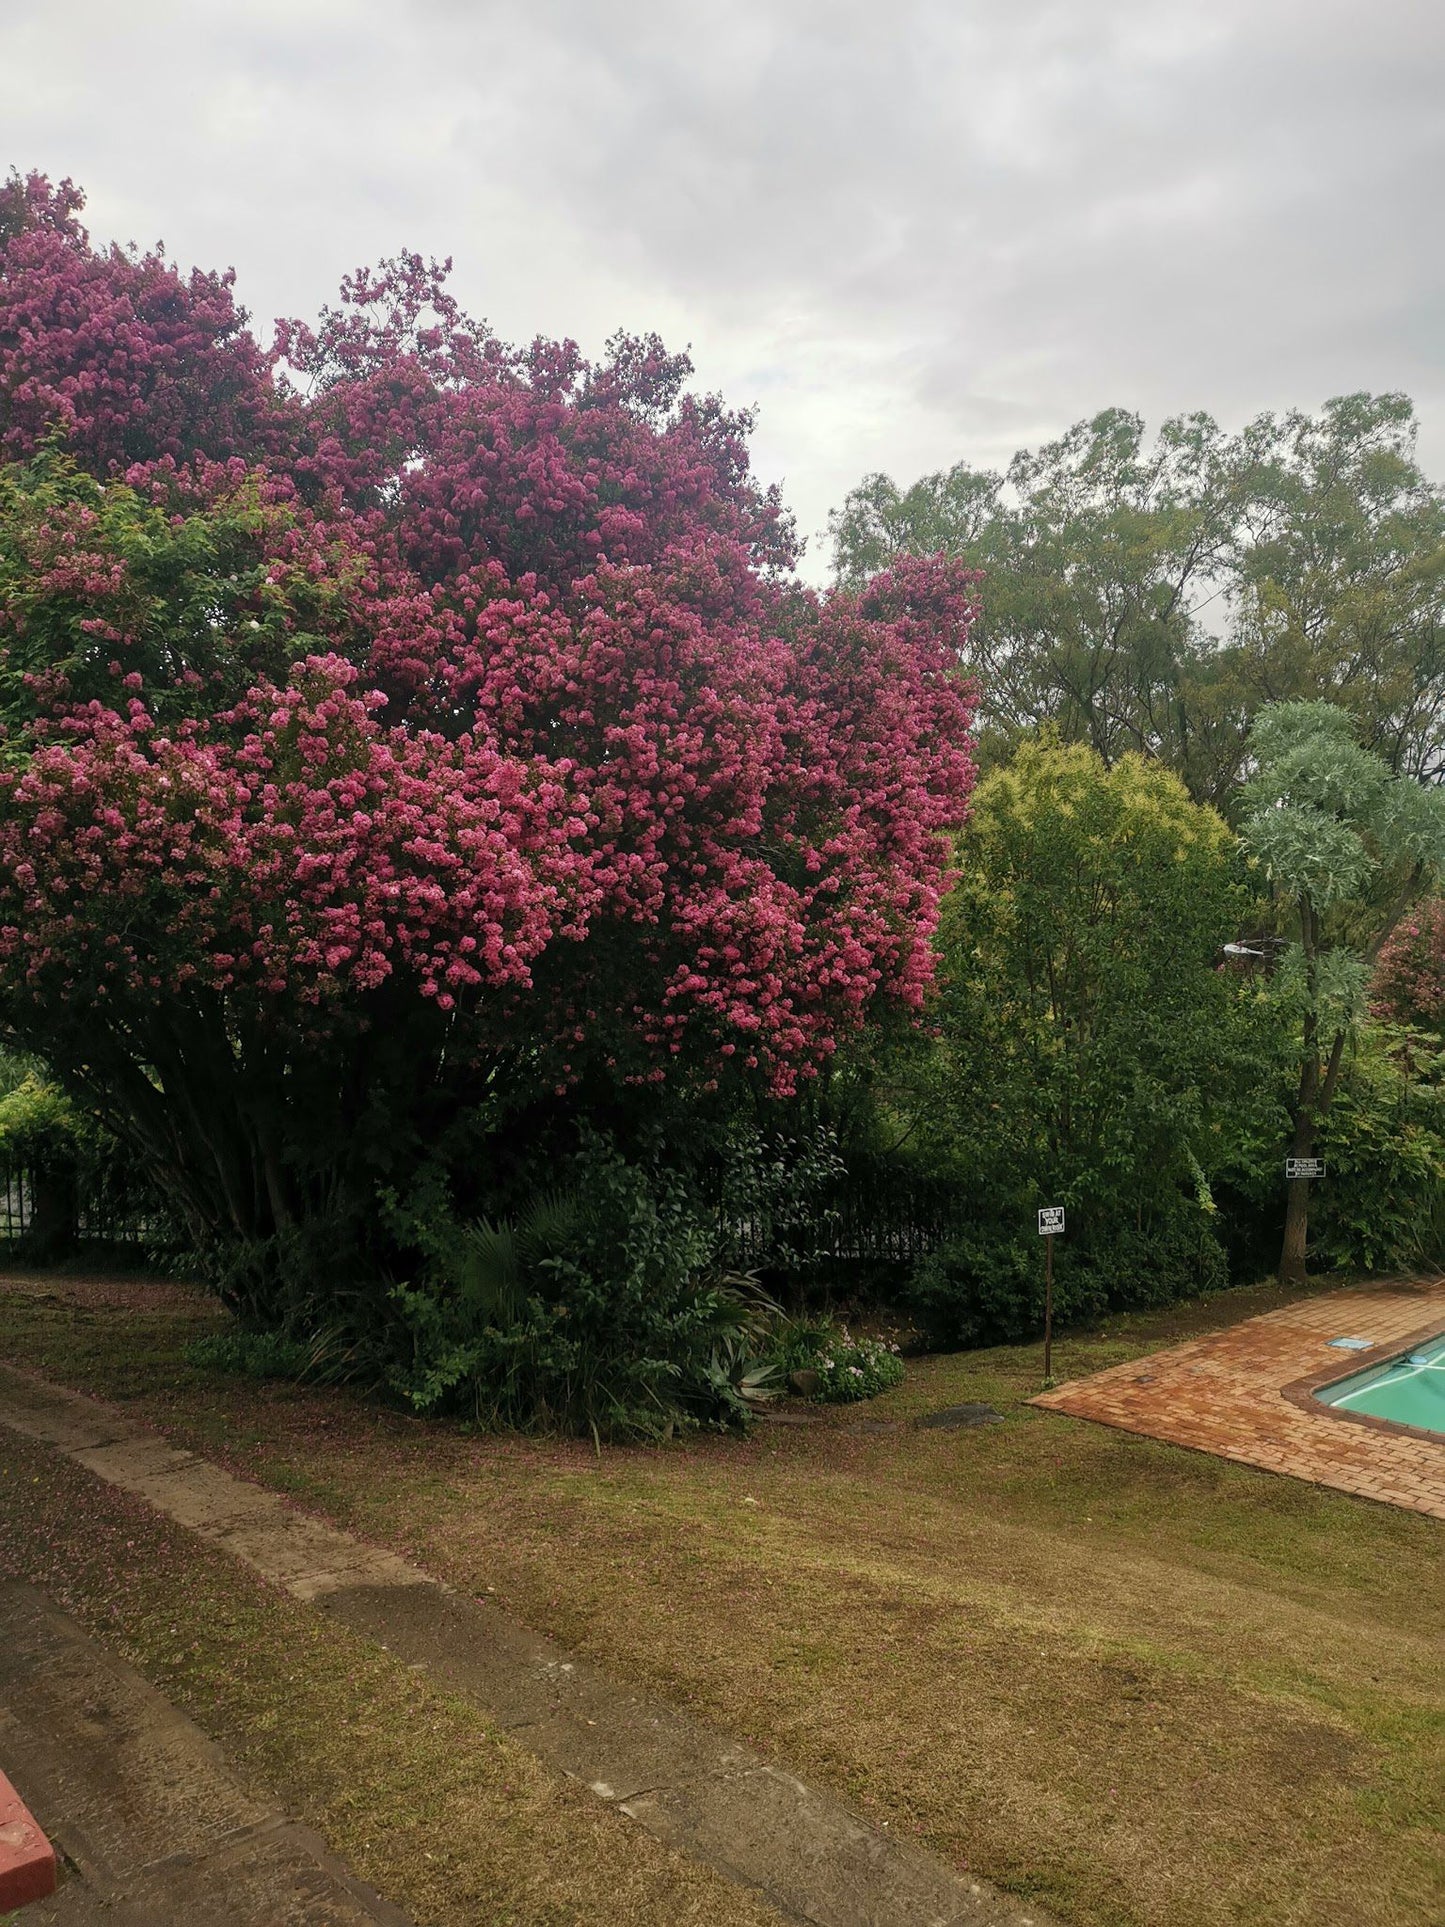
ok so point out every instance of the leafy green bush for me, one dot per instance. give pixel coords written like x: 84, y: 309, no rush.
x: 1381, y: 1203
x: 987, y: 1288
x: 610, y: 1298
x: 1134, y: 1267
x: 847, y: 1368
x: 76, y: 1173
x: 15, y: 1067
x: 598, y: 1307
x: 42, y: 1137
x: 38, y: 1124
x: 979, y: 1289
x: 777, y: 1192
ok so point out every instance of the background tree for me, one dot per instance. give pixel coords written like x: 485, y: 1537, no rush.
x: 1409, y: 986
x: 1347, y: 848
x: 1155, y: 598
x: 1339, y: 576
x: 1093, y: 550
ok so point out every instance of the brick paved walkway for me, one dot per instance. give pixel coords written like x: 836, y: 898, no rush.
x: 1245, y: 1394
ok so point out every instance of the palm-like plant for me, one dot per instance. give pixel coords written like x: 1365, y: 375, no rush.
x: 502, y: 1263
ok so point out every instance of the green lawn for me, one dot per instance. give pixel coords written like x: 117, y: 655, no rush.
x: 1135, y: 1683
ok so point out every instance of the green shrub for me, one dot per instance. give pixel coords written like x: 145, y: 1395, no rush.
x: 38, y: 1124
x: 1133, y: 1267
x: 598, y: 1307
x: 978, y: 1289
x: 41, y: 1136
x: 76, y: 1170
x: 987, y: 1288
x: 1381, y: 1203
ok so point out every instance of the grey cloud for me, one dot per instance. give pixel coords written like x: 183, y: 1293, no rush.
x: 914, y: 233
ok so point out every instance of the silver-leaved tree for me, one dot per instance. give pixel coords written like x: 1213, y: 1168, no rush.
x: 1347, y: 848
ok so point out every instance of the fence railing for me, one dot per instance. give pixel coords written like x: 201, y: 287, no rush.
x: 864, y: 1218
x: 17, y: 1203
x: 94, y: 1209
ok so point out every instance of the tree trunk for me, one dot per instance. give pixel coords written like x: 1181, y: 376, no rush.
x: 52, y: 1230
x: 248, y: 1135
x: 1292, y: 1269
x: 1314, y: 1101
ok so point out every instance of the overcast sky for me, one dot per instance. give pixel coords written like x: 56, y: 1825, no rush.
x: 911, y: 231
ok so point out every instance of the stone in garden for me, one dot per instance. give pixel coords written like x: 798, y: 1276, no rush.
x: 954, y: 1416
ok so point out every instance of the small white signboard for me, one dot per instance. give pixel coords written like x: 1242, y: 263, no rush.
x: 1051, y: 1220
x: 1304, y: 1167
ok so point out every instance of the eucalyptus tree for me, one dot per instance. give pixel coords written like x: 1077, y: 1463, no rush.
x: 1155, y: 597
x: 1338, y: 575
x: 1094, y: 550
x: 1347, y: 846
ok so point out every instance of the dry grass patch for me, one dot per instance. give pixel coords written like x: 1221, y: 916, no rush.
x: 1137, y: 1683
x: 434, y: 1807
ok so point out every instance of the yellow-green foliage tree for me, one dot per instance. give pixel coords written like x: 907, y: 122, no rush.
x: 1087, y: 1033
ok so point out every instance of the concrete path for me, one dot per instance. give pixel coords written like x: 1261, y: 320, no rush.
x: 690, y: 1786
x: 153, y: 1830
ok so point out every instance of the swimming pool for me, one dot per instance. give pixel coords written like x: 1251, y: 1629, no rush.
x: 1409, y: 1390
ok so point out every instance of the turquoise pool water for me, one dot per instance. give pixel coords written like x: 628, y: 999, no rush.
x: 1409, y: 1389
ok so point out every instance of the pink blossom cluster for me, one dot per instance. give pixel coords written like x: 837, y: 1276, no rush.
x: 119, y: 351
x: 304, y: 848
x: 400, y: 657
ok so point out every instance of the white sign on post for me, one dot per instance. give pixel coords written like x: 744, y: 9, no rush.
x: 1304, y: 1167
x: 1051, y: 1220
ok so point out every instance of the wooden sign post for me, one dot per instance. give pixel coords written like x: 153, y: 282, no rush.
x: 1051, y: 1226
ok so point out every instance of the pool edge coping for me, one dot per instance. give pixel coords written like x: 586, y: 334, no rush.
x: 1304, y: 1392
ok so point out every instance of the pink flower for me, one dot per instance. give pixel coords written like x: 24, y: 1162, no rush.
x: 499, y: 703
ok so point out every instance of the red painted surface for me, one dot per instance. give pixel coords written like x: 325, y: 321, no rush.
x: 27, y: 1859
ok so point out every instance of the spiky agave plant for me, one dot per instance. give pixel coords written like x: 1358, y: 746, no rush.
x: 740, y: 1318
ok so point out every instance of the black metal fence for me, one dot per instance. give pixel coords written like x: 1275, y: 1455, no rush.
x: 98, y: 1211
x: 864, y: 1218
x: 17, y: 1203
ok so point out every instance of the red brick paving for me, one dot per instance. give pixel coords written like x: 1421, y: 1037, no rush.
x: 27, y: 1859
x: 1234, y: 1394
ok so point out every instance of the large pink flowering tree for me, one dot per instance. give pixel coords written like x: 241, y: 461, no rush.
x: 398, y: 725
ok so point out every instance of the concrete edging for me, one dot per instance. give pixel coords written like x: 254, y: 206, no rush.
x: 154, y: 1828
